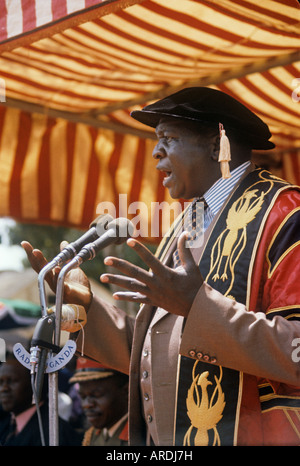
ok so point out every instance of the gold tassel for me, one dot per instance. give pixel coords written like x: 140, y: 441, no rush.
x: 224, y: 154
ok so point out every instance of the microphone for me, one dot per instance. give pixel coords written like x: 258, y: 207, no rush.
x: 41, y: 343
x: 96, y: 229
x: 73, y: 317
x: 118, y: 231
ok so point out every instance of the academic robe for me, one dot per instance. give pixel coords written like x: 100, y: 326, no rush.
x: 255, y: 339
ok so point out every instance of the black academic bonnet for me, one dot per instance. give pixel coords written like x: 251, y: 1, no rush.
x: 208, y: 105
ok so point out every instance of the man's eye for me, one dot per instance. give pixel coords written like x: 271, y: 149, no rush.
x: 170, y: 138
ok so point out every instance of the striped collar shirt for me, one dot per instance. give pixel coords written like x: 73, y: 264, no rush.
x: 220, y: 190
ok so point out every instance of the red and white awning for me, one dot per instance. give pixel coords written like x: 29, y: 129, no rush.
x: 71, y: 72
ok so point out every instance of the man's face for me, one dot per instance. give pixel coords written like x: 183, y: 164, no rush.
x: 184, y: 156
x: 104, y: 402
x: 15, y: 388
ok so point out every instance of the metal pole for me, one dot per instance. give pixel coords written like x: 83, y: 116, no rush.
x: 53, y: 409
x: 41, y: 285
x: 53, y: 377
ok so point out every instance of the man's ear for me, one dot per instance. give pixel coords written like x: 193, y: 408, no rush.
x: 215, y: 147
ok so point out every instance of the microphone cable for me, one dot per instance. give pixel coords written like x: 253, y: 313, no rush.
x: 38, y: 411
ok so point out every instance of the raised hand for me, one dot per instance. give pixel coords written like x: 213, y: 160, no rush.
x: 77, y: 289
x: 171, y: 289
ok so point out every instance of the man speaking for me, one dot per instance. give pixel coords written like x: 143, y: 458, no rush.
x: 209, y: 354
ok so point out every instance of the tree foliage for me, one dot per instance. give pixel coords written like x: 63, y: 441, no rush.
x: 48, y: 239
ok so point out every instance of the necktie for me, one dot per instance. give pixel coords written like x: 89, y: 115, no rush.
x: 193, y: 223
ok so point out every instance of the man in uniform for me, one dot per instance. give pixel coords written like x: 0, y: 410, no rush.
x: 210, y: 353
x: 104, y: 399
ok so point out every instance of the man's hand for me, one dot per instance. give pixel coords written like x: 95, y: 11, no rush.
x: 171, y: 289
x: 77, y: 289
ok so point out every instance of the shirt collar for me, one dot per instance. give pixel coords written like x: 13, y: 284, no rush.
x: 220, y: 190
x: 115, y: 427
x: 22, y: 418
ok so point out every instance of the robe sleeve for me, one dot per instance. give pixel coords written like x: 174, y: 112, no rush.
x: 107, y: 336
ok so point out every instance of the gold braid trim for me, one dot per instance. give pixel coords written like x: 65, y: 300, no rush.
x: 86, y: 442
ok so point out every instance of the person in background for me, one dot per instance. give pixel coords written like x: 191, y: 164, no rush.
x: 20, y: 425
x: 104, y: 398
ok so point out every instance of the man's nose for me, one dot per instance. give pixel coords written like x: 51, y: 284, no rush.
x: 159, y: 151
x: 4, y: 387
x: 88, y: 402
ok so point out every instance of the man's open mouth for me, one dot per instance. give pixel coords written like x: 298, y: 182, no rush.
x: 167, y: 177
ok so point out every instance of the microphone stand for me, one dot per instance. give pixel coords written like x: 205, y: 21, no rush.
x: 53, y: 376
x: 88, y: 252
x: 41, y: 284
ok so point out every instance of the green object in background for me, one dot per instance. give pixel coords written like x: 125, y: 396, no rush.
x: 23, y: 308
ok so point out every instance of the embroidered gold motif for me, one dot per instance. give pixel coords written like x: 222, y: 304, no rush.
x: 232, y: 241
x: 203, y: 414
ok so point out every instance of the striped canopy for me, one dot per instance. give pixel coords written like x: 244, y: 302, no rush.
x: 71, y: 71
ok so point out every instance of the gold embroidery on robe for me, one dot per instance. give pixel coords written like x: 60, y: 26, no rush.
x: 204, y: 413
x: 233, y: 239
